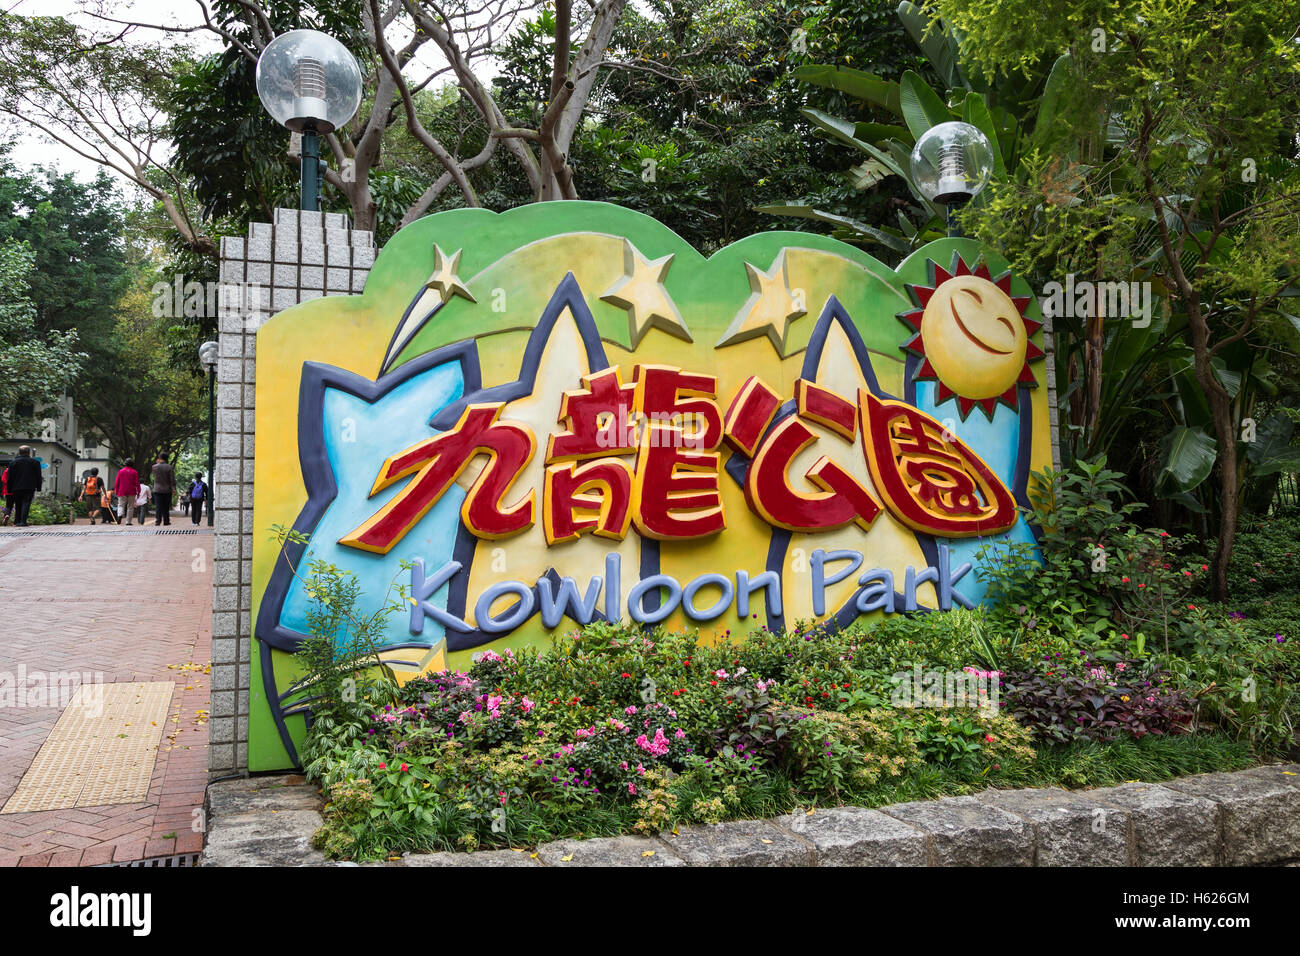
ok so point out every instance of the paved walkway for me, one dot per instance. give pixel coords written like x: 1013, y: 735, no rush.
x: 134, y: 606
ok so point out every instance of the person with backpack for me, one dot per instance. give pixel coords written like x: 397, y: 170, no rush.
x: 92, y: 493
x: 198, y: 495
x: 125, y: 490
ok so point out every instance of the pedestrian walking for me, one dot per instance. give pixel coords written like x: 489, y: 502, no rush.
x: 23, y: 481
x: 198, y: 494
x: 142, y: 502
x: 164, y: 486
x: 92, y: 493
x: 9, y: 499
x: 125, y: 489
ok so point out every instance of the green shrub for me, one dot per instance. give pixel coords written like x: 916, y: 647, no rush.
x: 47, y: 511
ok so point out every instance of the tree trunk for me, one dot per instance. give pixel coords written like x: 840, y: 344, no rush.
x: 1226, y: 432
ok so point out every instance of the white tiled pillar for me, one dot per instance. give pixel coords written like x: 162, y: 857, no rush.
x: 301, y: 256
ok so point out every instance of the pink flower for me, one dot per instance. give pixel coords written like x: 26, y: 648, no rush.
x: 631, y: 788
x: 658, y: 746
x: 630, y: 710
x: 527, y: 705
x: 680, y: 733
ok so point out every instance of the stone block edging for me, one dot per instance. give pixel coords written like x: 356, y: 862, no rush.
x: 1246, y: 818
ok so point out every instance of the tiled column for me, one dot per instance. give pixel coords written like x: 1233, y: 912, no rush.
x: 301, y: 256
x: 1049, y: 346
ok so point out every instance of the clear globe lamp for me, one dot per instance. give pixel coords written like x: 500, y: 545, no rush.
x: 951, y: 163
x: 308, y: 81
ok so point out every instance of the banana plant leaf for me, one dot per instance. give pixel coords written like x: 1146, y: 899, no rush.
x: 806, y: 211
x: 938, y: 45
x: 1188, y: 456
x: 922, y: 106
x: 1271, y: 451
x: 857, y: 83
x: 976, y: 112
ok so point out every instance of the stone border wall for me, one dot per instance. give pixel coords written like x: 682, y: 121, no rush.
x: 300, y: 256
x: 1246, y: 818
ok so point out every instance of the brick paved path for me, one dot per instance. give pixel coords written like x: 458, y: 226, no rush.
x: 136, y: 607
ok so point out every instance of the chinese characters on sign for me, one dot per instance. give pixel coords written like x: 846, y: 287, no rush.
x: 645, y: 455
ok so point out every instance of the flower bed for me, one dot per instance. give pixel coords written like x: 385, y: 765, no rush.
x: 616, y: 730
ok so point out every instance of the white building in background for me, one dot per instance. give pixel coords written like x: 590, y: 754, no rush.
x: 91, y: 455
x: 54, y: 445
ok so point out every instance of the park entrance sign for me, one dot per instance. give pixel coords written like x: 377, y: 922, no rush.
x: 564, y: 414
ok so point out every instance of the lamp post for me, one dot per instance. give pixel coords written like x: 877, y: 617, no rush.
x: 208, y: 357
x: 951, y: 163
x: 310, y: 84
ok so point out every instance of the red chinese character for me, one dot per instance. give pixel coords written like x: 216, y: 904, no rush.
x: 841, y: 497
x: 594, y: 497
x: 668, y: 395
x: 931, y: 480
x: 599, y: 418
x: 437, y: 462
x: 750, y: 412
x: 676, y: 489
x: 677, y: 470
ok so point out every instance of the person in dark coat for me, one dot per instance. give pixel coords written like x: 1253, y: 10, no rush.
x: 164, y: 486
x: 25, y: 480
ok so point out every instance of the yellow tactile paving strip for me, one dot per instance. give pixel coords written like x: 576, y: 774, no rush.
x: 100, y: 752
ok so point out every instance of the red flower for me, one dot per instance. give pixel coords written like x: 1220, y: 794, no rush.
x: 383, y: 766
x: 624, y: 674
x: 1125, y: 580
x: 403, y: 768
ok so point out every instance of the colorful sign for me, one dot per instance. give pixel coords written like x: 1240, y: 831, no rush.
x: 564, y: 413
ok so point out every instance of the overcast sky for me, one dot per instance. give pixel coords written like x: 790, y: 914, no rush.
x: 31, y: 151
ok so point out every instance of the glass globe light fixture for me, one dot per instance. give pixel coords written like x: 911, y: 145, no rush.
x: 308, y: 81
x: 951, y: 163
x: 208, y: 354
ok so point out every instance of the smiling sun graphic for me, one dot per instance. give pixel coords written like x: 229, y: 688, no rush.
x: 972, y: 337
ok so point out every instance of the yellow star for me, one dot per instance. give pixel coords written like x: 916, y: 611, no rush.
x: 444, y: 279
x: 770, y: 308
x: 641, y: 291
